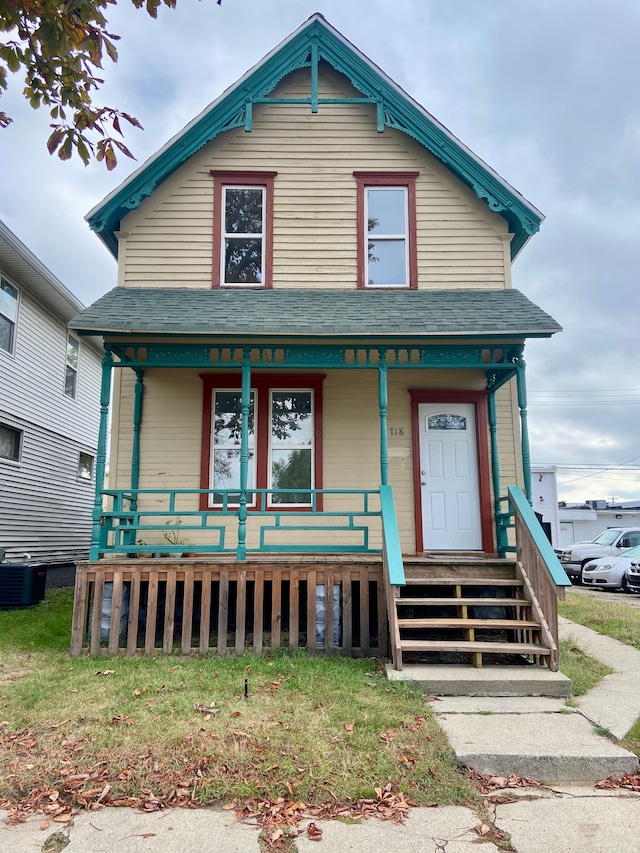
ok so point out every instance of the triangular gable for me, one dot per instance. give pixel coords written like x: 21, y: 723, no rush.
x: 315, y: 41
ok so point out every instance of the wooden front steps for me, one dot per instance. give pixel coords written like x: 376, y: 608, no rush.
x: 458, y: 611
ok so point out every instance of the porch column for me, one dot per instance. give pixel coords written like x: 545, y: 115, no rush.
x: 501, y: 533
x: 98, y: 533
x: 382, y: 402
x: 244, y: 455
x: 524, y: 429
x: 137, y: 422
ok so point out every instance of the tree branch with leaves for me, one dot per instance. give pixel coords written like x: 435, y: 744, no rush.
x: 60, y: 47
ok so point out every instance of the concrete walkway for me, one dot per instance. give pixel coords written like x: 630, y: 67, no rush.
x: 563, y: 818
x: 544, y: 739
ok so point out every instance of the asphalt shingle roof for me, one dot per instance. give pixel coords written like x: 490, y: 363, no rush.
x: 326, y: 313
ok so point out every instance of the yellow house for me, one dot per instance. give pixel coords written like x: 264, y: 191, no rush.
x: 316, y: 361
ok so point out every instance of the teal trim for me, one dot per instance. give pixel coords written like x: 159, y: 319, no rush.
x: 558, y: 574
x: 137, y: 424
x: 392, y: 549
x: 99, y: 533
x: 498, y: 359
x: 501, y: 533
x: 524, y: 427
x: 383, y: 403
x: 244, y: 455
x: 314, y: 41
x: 126, y: 527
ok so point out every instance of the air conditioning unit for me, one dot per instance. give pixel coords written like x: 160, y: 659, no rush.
x: 597, y: 504
x: 22, y: 584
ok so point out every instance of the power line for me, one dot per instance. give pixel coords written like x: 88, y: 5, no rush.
x: 595, y: 473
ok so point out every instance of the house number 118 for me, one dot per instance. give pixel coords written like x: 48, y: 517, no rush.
x: 396, y: 430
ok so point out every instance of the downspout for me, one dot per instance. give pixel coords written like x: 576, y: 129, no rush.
x: 382, y: 403
x: 98, y: 532
x: 524, y: 429
x: 244, y: 455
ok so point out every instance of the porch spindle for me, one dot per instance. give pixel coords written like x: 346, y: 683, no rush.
x: 522, y: 404
x: 244, y: 455
x: 383, y: 401
x: 98, y: 531
x: 135, y: 452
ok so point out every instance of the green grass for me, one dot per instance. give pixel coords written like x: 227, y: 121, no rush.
x: 615, y: 619
x: 583, y: 670
x: 313, y: 728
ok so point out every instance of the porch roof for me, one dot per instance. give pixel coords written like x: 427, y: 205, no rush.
x: 325, y: 313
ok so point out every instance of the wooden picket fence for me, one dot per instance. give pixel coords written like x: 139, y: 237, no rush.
x: 197, y: 606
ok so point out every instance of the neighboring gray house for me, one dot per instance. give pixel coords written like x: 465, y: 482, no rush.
x: 49, y: 413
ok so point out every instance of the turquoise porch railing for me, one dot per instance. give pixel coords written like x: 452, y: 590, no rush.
x: 159, y: 521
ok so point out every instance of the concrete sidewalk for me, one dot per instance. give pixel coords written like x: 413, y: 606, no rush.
x: 564, y: 818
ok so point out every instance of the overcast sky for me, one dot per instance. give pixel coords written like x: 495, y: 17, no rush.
x: 545, y: 91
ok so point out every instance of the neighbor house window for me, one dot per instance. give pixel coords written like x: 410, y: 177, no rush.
x: 71, y: 372
x: 8, y: 315
x: 386, y: 229
x: 85, y: 466
x: 10, y: 443
x: 284, y: 439
x: 243, y: 228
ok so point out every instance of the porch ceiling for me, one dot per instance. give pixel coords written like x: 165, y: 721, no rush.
x: 326, y: 313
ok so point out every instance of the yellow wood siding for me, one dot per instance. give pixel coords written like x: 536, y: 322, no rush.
x: 167, y: 241
x: 172, y: 423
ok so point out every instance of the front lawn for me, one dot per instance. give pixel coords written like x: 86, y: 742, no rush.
x: 175, y: 730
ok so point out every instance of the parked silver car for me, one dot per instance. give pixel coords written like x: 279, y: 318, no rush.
x: 633, y: 577
x: 612, y: 572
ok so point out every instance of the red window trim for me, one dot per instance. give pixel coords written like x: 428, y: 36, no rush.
x: 222, y: 178
x: 262, y: 383
x: 387, y: 179
x: 479, y: 399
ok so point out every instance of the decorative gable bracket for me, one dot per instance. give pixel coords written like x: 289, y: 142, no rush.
x: 314, y: 42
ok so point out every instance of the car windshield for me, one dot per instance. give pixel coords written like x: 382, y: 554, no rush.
x: 631, y: 552
x: 608, y: 537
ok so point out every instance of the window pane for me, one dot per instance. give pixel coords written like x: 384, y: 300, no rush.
x: 386, y: 262
x: 227, y: 418
x: 85, y: 466
x: 291, y: 469
x: 243, y: 211
x: 70, y: 382
x: 8, y: 301
x: 10, y: 443
x: 6, y: 334
x: 291, y: 422
x: 386, y: 211
x: 226, y: 474
x: 447, y: 421
x: 242, y: 261
x: 72, y: 352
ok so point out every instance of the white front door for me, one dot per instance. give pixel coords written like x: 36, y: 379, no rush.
x: 449, y: 482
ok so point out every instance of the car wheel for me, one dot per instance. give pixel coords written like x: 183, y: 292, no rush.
x: 625, y: 586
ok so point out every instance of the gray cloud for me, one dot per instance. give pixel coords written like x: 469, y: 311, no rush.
x: 545, y: 92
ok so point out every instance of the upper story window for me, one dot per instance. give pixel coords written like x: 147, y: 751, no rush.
x: 10, y: 443
x: 8, y: 315
x: 71, y: 373
x: 243, y: 228
x: 387, y: 230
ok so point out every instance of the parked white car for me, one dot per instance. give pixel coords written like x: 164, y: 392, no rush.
x: 612, y: 572
x: 609, y: 543
x: 633, y: 576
